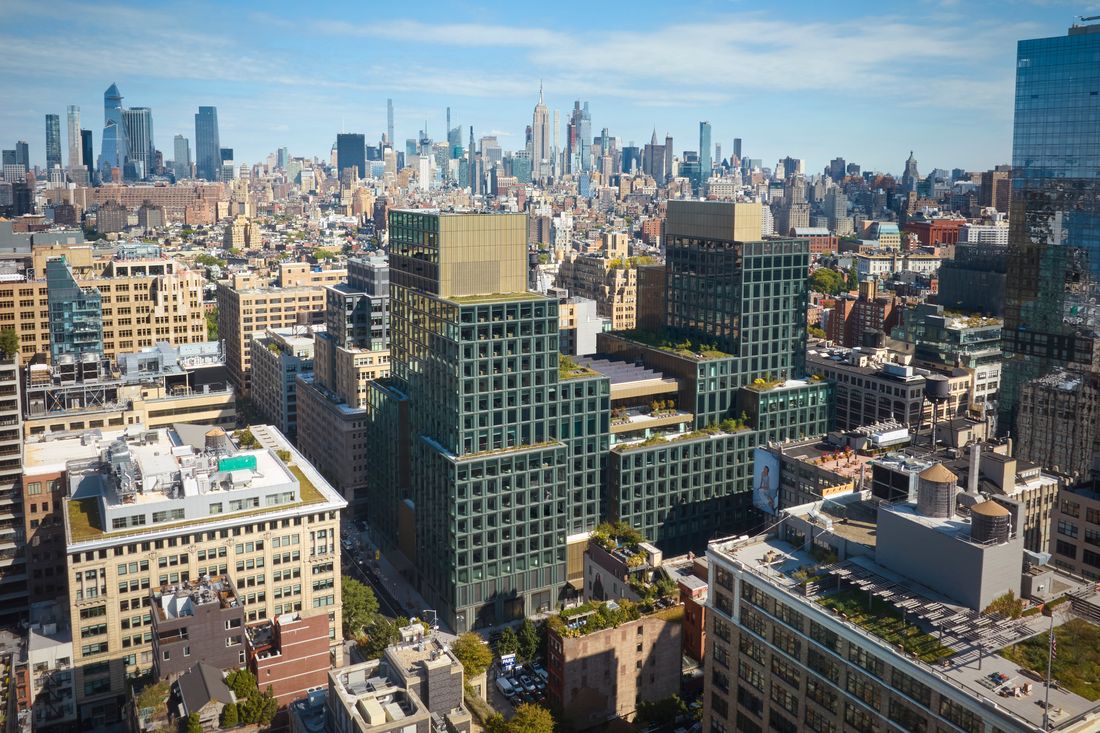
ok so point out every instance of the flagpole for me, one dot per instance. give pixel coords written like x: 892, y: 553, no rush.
x: 1050, y: 662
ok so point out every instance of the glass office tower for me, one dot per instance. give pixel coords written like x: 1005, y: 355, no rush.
x: 53, y: 142
x: 1051, y: 308
x: 208, y: 151
x: 76, y: 314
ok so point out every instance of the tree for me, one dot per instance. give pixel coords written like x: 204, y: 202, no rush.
x: 360, y: 606
x: 193, y: 723
x: 9, y: 342
x: 825, y: 280
x: 242, y: 682
x: 528, y: 639
x: 212, y: 325
x: 817, y: 332
x: 531, y: 719
x: 380, y: 633
x: 473, y: 653
x: 661, y: 712
x: 507, y: 642
x: 228, y: 718
x: 853, y: 279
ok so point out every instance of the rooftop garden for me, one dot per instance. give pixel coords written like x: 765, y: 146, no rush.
x: 726, y: 427
x: 569, y: 369
x: 614, y: 535
x: 1076, y: 665
x: 881, y: 619
x: 591, y: 617
x: 681, y: 347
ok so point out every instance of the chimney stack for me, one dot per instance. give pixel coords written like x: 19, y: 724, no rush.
x: 975, y: 468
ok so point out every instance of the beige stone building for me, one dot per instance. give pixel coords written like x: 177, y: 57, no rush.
x: 242, y: 233
x: 174, y: 507
x: 248, y: 311
x: 611, y: 282
x: 145, y: 300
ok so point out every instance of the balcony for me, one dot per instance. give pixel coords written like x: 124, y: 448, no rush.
x: 630, y: 419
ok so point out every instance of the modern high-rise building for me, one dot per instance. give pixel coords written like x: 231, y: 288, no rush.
x: 76, y: 156
x: 282, y: 157
x: 705, y: 163
x: 351, y: 151
x: 139, y: 130
x: 1051, y: 312
x: 736, y: 149
x: 53, y: 142
x: 76, y: 313
x: 115, y: 146
x: 22, y: 154
x: 208, y: 151
x: 389, y: 121
x: 87, y: 148
x: 182, y: 157
x: 541, y: 155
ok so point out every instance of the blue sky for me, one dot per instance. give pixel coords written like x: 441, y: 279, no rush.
x: 863, y: 80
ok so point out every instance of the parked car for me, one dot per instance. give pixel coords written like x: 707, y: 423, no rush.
x: 528, y: 683
x: 505, y: 687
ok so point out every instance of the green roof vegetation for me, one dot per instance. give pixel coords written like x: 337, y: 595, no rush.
x: 593, y: 616
x: 686, y: 348
x: 569, y: 369
x: 86, y: 524
x: 726, y: 427
x: 886, y: 622
x: 613, y: 535
x: 1076, y: 666
x: 493, y: 298
x: 84, y: 519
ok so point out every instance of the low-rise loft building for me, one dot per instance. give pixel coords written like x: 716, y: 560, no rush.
x: 290, y: 654
x: 818, y: 627
x: 198, y: 620
x: 603, y: 659
x: 144, y: 509
x: 611, y: 282
x: 156, y: 386
x: 46, y: 669
x: 1075, y: 530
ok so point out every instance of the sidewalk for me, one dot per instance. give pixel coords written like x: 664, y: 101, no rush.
x: 408, y: 598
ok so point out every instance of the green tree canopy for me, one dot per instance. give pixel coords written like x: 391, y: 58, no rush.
x: 228, y: 718
x: 531, y: 719
x: 9, y: 342
x: 380, y: 633
x: 473, y: 653
x: 193, y: 723
x: 528, y: 639
x: 360, y: 606
x: 825, y: 280
x: 507, y: 642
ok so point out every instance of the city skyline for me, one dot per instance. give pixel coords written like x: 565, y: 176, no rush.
x: 791, y: 93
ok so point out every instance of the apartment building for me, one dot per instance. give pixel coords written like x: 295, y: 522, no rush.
x: 1075, y: 539
x: 278, y: 357
x: 146, y: 509
x: 851, y: 315
x: 244, y: 312
x: 1057, y: 422
x: 611, y: 282
x: 144, y: 298
x: 13, y: 534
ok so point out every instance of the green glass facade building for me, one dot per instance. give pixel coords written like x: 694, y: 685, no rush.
x: 76, y: 313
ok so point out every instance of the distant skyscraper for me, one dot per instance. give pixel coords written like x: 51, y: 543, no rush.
x: 53, y: 142
x: 208, y: 160
x: 282, y: 156
x: 737, y: 148
x: 181, y: 157
x: 705, y: 164
x: 1053, y: 282
x: 139, y: 131
x: 76, y: 158
x: 668, y: 157
x: 115, y: 146
x: 351, y: 150
x: 389, y: 121
x: 910, y: 177
x: 540, y: 141
x: 584, y: 133
x: 87, y: 150
x: 23, y: 154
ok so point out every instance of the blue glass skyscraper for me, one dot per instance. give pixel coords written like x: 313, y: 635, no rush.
x: 1052, y: 315
x: 208, y: 153
x: 704, y: 152
x: 53, y: 142
x: 116, y: 145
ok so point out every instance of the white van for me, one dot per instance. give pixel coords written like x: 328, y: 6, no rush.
x: 505, y: 686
